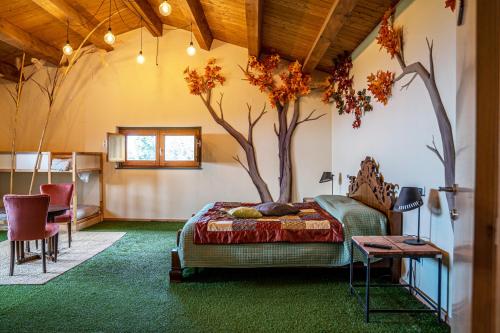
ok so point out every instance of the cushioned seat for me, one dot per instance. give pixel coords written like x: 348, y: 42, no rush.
x: 60, y: 194
x: 27, y: 220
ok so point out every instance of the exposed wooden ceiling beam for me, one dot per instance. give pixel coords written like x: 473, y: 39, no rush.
x: 337, y: 16
x: 151, y: 21
x: 253, y: 13
x: 9, y: 72
x: 20, y: 39
x: 81, y: 22
x: 193, y: 10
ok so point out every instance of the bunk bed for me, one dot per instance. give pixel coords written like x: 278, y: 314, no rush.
x: 79, y: 168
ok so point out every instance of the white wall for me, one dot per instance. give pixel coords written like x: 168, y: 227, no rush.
x: 109, y: 90
x: 396, y: 135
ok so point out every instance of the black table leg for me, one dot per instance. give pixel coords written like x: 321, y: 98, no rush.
x: 440, y: 264
x: 367, y: 301
x: 410, y: 278
x: 351, y: 268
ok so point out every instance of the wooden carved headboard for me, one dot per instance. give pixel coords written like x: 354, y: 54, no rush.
x: 370, y: 188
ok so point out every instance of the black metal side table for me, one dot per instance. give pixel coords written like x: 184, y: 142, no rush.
x: 398, y: 250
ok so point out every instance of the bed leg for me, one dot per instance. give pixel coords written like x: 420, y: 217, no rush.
x: 176, y: 269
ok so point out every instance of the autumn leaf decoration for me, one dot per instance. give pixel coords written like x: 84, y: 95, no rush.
x: 390, y: 37
x: 293, y: 82
x: 339, y: 90
x: 199, y: 84
x: 380, y: 85
x: 452, y: 4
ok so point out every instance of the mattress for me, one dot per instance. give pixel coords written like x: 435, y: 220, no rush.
x: 356, y: 218
x: 84, y: 211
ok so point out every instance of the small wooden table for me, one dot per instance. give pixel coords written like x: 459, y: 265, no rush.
x: 398, y: 250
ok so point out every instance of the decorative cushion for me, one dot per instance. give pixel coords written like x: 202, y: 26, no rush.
x: 245, y: 213
x: 276, y: 209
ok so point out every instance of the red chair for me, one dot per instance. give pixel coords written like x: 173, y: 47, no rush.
x: 27, y: 221
x: 60, y: 194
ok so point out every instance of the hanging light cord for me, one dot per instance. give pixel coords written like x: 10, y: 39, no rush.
x: 67, y: 32
x: 157, y: 47
x: 109, y: 17
x: 191, y: 32
x: 141, y: 34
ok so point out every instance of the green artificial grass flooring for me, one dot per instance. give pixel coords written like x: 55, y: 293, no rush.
x: 126, y: 289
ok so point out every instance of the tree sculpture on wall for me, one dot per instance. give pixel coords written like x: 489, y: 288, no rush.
x: 202, y: 85
x: 292, y: 85
x: 16, y: 95
x: 283, y: 89
x: 390, y: 38
x: 52, y: 87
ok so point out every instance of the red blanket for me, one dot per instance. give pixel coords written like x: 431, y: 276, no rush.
x: 312, y: 224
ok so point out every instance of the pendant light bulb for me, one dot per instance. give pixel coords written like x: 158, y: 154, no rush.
x: 109, y: 38
x: 191, y: 50
x: 140, y: 58
x: 165, y: 8
x: 67, y: 49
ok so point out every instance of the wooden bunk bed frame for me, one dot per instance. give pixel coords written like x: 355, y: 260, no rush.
x: 80, y: 162
x: 367, y: 187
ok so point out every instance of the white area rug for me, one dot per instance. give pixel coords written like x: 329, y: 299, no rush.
x: 84, y: 246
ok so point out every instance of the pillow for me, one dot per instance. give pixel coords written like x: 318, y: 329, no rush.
x: 59, y: 164
x: 245, y: 213
x: 276, y: 209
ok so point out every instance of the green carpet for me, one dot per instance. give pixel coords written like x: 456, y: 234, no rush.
x: 126, y: 289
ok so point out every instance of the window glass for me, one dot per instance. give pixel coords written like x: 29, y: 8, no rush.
x: 141, y: 147
x: 179, y: 148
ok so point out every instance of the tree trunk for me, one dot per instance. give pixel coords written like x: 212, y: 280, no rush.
x: 253, y: 172
x: 445, y: 129
x: 446, y: 138
x: 285, y: 135
x: 246, y: 144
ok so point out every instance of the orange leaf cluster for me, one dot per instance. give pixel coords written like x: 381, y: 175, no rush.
x: 260, y: 73
x: 389, y: 37
x: 452, y: 4
x: 380, y: 85
x: 293, y: 83
x: 200, y: 84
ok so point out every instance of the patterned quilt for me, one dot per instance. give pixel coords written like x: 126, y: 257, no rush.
x: 311, y: 224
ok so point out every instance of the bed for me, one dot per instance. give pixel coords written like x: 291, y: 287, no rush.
x: 366, y: 210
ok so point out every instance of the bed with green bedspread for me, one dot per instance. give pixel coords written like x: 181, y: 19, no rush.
x: 356, y: 218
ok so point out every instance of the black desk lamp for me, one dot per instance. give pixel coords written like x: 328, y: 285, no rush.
x: 410, y: 198
x: 327, y: 177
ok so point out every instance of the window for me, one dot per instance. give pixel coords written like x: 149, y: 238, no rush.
x: 160, y: 147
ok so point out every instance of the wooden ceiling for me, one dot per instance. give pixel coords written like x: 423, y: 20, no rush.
x: 311, y: 31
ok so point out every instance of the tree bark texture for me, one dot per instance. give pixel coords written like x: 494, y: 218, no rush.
x: 445, y: 129
x: 252, y: 167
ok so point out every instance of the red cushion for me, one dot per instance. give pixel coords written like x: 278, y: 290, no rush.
x: 26, y: 216
x: 66, y: 217
x: 60, y: 194
x: 51, y: 229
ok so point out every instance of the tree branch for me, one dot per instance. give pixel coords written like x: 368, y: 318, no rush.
x: 310, y: 117
x: 430, y: 46
x: 237, y: 159
x: 435, y: 150
x: 275, y: 130
x: 407, y: 85
x: 252, y: 123
x: 219, y: 102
